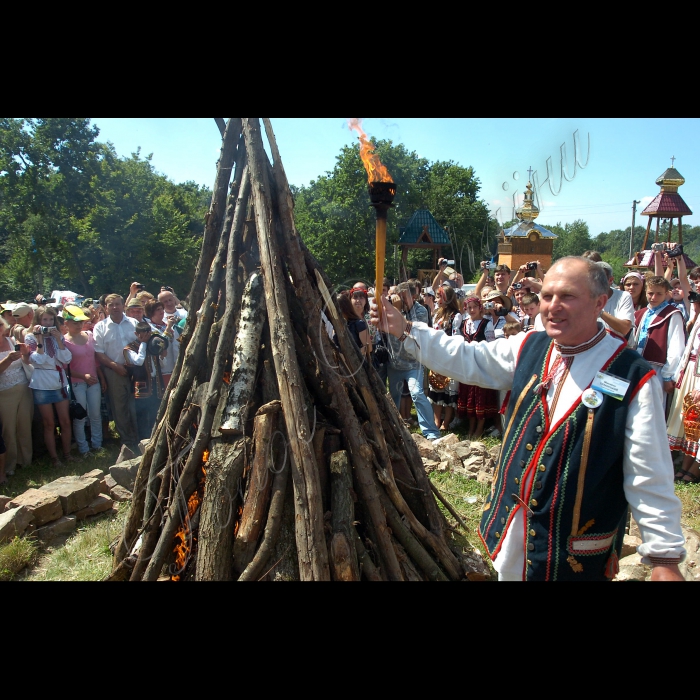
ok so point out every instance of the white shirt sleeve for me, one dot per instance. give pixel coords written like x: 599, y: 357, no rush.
x: 625, y: 307
x: 489, y: 365
x: 648, y: 476
x: 675, y: 347
x: 137, y: 358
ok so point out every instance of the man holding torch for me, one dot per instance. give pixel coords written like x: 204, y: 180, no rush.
x: 585, y: 436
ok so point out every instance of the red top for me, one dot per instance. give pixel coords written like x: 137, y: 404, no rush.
x: 83, y: 361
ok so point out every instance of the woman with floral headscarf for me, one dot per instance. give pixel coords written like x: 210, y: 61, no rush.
x: 475, y: 403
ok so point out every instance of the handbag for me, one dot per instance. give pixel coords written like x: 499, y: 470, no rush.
x: 76, y: 410
x: 438, y: 381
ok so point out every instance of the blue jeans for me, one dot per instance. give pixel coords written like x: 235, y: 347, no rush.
x: 90, y: 398
x: 414, y: 377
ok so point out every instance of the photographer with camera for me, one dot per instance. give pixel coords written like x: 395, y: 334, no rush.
x: 48, y: 355
x: 447, y: 273
x: 680, y: 286
x: 501, y: 276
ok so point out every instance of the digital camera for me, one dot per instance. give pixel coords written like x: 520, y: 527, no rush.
x: 46, y: 330
x: 676, y: 251
x: 488, y: 305
x: 532, y: 266
x: 693, y: 296
x: 658, y: 247
x: 449, y: 263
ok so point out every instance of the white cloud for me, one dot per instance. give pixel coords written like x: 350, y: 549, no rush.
x: 644, y: 201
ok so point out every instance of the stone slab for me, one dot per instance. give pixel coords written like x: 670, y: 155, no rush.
x: 99, y: 505
x: 44, y: 506
x: 120, y: 494
x: 4, y: 500
x: 109, y: 482
x: 124, y: 473
x: 125, y: 454
x: 103, y: 485
x: 75, y: 492
x: 143, y: 445
x: 62, y: 526
x: 14, y: 522
x: 94, y: 474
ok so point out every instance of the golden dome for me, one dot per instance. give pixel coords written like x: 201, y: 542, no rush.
x: 670, y: 181
x: 527, y: 211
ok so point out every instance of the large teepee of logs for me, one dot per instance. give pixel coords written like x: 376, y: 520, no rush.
x: 260, y: 393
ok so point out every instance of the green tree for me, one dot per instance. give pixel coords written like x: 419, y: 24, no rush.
x: 572, y: 239
x: 73, y: 215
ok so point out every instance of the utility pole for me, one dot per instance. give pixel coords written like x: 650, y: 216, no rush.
x: 634, y: 213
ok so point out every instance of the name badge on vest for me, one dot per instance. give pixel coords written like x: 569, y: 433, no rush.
x: 591, y: 398
x: 611, y: 385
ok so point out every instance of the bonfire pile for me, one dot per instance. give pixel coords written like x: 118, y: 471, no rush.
x: 261, y: 392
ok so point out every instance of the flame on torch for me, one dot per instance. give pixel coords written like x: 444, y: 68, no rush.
x: 382, y: 196
x: 376, y: 172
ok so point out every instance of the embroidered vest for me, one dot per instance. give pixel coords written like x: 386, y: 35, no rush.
x: 655, y: 349
x: 568, y: 477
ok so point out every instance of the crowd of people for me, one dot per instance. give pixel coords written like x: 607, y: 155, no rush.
x: 656, y: 312
x: 80, y: 366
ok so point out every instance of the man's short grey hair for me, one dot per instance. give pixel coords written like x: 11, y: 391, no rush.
x: 607, y: 267
x: 598, y: 280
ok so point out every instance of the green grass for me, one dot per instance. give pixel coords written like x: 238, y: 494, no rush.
x: 689, y: 495
x: 85, y: 556
x: 15, y: 555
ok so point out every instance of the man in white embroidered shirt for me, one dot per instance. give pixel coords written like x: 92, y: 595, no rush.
x: 112, y: 335
x: 585, y: 436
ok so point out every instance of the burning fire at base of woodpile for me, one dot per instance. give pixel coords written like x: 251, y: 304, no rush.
x: 260, y: 394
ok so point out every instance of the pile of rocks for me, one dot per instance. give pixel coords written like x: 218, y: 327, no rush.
x: 57, y: 507
x: 471, y: 459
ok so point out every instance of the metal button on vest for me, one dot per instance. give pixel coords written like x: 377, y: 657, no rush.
x: 542, y: 468
x: 539, y: 428
x: 498, y: 535
x: 538, y: 484
x: 507, y: 509
x: 503, y: 521
x: 528, y: 447
x: 532, y: 533
x: 531, y: 546
x: 533, y: 503
x: 549, y: 450
x: 522, y: 462
x: 529, y: 562
x: 517, y: 481
x: 515, y: 496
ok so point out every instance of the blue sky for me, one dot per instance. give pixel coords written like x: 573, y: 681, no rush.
x: 626, y: 156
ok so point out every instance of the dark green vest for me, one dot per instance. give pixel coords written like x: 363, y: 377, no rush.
x: 574, y: 503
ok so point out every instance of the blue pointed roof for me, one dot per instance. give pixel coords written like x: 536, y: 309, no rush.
x: 422, y: 228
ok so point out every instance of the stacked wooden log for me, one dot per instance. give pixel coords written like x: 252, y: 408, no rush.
x: 260, y: 393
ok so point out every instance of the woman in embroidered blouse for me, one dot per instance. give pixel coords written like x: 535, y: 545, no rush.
x: 444, y: 398
x: 475, y: 403
x: 15, y: 403
x: 48, y: 356
x: 88, y: 385
x: 687, y: 382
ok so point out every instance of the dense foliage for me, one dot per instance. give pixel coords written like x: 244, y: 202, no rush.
x: 74, y: 215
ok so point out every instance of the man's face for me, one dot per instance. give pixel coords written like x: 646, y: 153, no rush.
x: 519, y: 294
x: 429, y: 301
x: 502, y: 278
x: 569, y: 313
x: 7, y: 315
x: 26, y: 320
x: 656, y: 294
x: 136, y: 312
x: 115, y: 309
x: 169, y: 301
